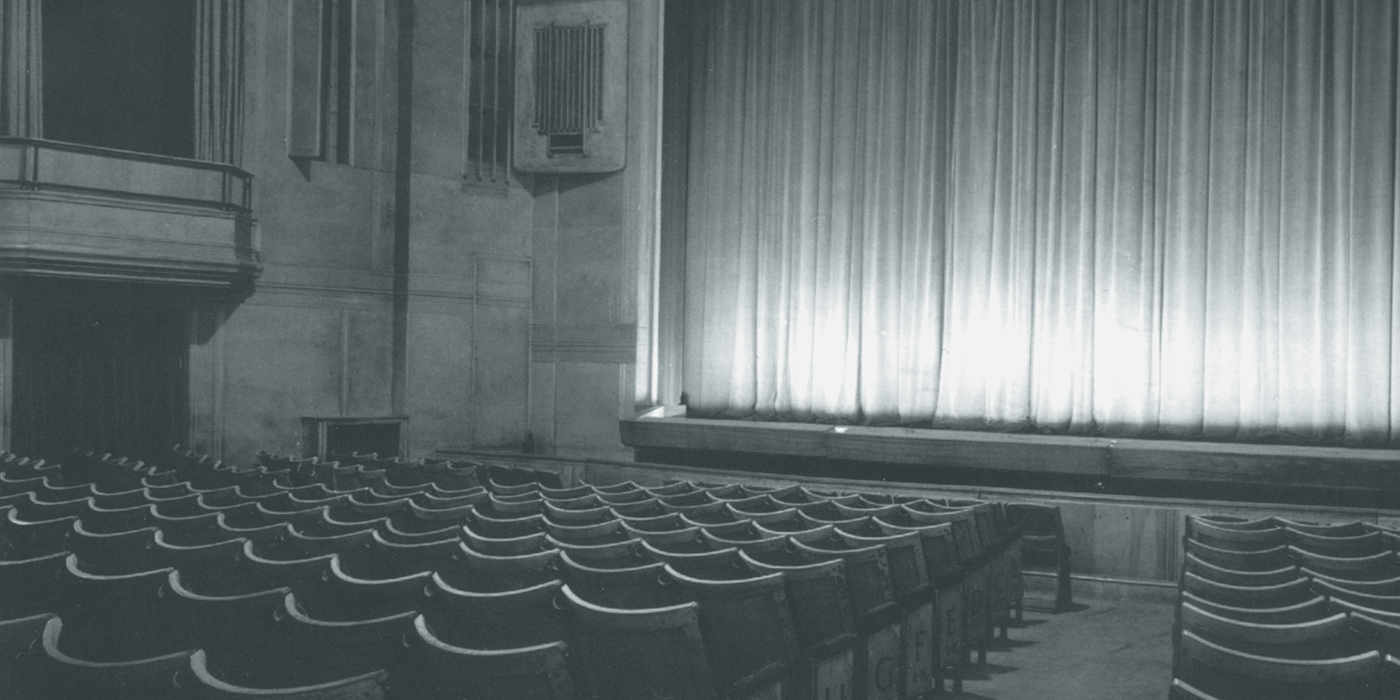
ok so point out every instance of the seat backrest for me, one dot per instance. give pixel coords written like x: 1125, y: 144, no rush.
x: 32, y: 586
x: 261, y: 573
x: 817, y: 591
x: 867, y: 573
x: 1223, y: 672
x: 641, y: 586
x: 1270, y: 559
x: 115, y: 617
x: 318, y: 651
x: 495, y: 620
x: 339, y: 596
x: 74, y: 676
x: 113, y: 553
x: 1236, y: 539
x: 1247, y: 596
x: 642, y: 654
x: 1331, y: 633
x: 1314, y: 608
x: 713, y: 565
x: 1361, y: 567
x: 484, y: 572
x: 437, y: 670
x: 746, y: 623
x: 905, y: 555
x: 211, y: 569
x: 502, y: 546
x: 206, y: 682
x: 384, y: 559
x: 225, y: 626
x: 1337, y: 546
x: 1236, y: 577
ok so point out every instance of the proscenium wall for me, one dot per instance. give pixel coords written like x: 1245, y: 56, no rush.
x: 522, y: 297
x: 315, y: 338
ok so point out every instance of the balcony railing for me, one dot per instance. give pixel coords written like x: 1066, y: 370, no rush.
x: 76, y: 210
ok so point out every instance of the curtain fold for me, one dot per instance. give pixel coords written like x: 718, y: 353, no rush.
x: 1123, y: 217
x: 218, y: 75
x: 21, y: 68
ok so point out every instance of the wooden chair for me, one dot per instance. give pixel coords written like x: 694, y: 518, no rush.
x: 495, y: 620
x: 747, y: 627
x: 641, y: 654
x: 1212, y: 670
x: 437, y: 670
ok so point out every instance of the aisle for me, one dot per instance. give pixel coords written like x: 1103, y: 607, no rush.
x: 1104, y: 650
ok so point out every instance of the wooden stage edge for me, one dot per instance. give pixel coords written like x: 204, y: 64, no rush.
x: 1203, y: 464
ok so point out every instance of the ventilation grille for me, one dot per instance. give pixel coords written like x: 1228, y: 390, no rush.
x: 568, y: 84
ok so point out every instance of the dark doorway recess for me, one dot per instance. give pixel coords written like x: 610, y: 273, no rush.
x: 99, y: 366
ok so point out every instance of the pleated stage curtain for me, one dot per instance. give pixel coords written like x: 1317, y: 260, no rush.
x: 218, y: 78
x: 1121, y: 217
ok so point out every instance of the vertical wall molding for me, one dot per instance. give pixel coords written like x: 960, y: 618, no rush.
x: 7, y: 368
x: 403, y: 214
x: 21, y: 68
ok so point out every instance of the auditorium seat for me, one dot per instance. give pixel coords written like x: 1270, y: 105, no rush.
x: 118, y: 499
x: 1247, y: 596
x: 1327, y: 636
x: 739, y: 534
x: 261, y: 573
x: 746, y: 624
x: 503, y: 619
x: 339, y: 596
x: 74, y: 677
x: 587, y: 510
x: 436, y: 670
x: 493, y: 524
x: 650, y: 508
x: 1384, y: 586
x: 1270, y: 559
x: 715, y: 565
x: 207, y: 686
x: 31, y: 586
x: 1237, y: 577
x: 1212, y: 670
x: 115, y: 552
x: 99, y: 520
x: 299, y: 546
x: 384, y: 559
x: 641, y: 654
x: 392, y: 533
x: 212, y: 569
x: 1388, y: 603
x: 25, y: 539
x: 641, y: 585
x: 188, y: 530
x: 1043, y: 546
x: 565, y: 493
x: 114, y: 617
x: 822, y: 616
x: 503, y: 546
x: 606, y: 532
x: 1365, y: 567
x: 1313, y: 608
x: 21, y: 651
x: 1336, y: 546
x: 485, y: 572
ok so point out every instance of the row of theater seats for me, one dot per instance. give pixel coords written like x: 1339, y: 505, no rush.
x: 1274, y: 608
x: 301, y: 579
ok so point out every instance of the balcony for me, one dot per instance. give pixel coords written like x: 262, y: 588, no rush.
x: 71, y: 210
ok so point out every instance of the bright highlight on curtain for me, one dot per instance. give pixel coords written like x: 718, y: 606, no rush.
x: 1129, y: 217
